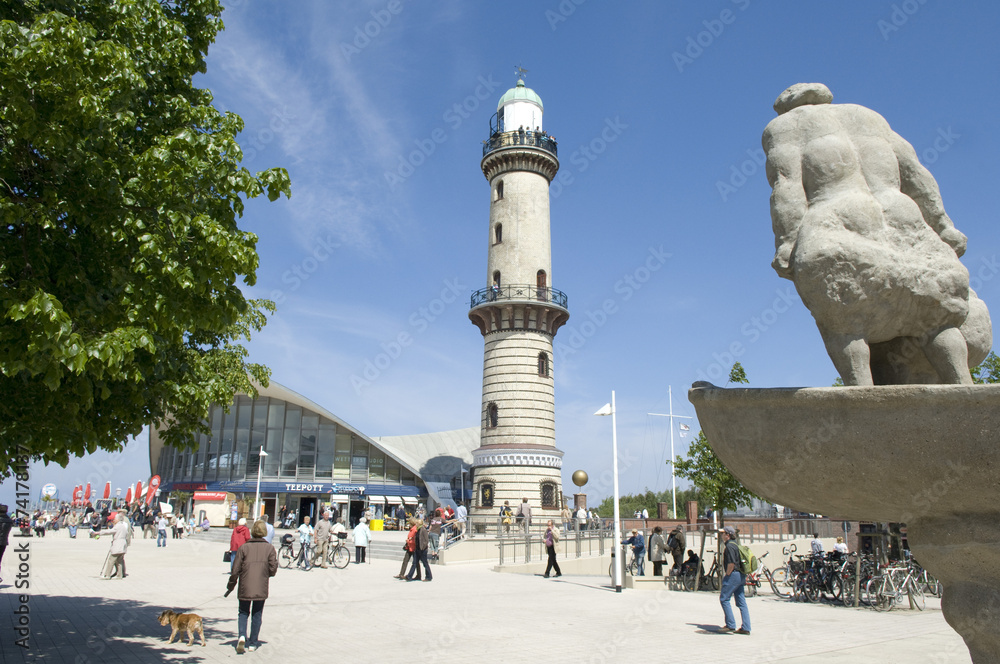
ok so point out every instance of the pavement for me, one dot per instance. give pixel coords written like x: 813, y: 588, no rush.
x: 467, y: 613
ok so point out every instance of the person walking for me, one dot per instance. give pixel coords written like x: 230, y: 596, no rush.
x: 676, y: 543
x: 657, y: 550
x: 161, y: 530
x: 732, y: 584
x: 638, y: 543
x: 6, y: 525
x: 306, y: 540
x: 362, y: 537
x: 241, y: 535
x: 434, y: 532
x: 148, y: 523
x: 551, y: 539
x: 408, y: 546
x: 254, y: 564
x: 420, y: 544
x: 121, y: 536
x: 322, y: 540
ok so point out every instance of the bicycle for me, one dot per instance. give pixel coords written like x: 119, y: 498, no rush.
x: 338, y: 555
x: 287, y: 553
x: 754, y: 580
x: 631, y: 567
x: 884, y: 592
x: 708, y: 581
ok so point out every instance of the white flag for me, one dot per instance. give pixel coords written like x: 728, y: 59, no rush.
x: 685, y: 427
x: 605, y: 410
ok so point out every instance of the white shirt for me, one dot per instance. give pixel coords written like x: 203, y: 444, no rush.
x: 841, y: 547
x: 461, y: 513
x: 817, y: 546
x: 305, y: 533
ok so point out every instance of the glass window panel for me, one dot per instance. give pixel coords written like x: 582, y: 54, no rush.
x: 293, y: 416
x: 260, y: 413
x: 273, y: 449
x: 216, y: 418
x: 376, y: 465
x: 276, y: 415
x: 342, y: 456
x: 243, y: 416
x: 225, y: 454
x: 307, y: 454
x: 324, y: 454
x: 253, y: 454
x: 407, y: 477
x: 391, y: 472
x: 240, y: 451
x: 310, y: 420
x: 230, y: 420
x: 289, y: 453
x: 359, y: 462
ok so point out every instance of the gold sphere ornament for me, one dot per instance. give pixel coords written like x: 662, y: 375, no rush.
x: 580, y: 478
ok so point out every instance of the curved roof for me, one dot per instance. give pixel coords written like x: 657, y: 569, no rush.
x: 424, y: 454
x: 520, y: 93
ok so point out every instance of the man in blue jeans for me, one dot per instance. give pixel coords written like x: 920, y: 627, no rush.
x: 732, y: 584
x: 638, y: 543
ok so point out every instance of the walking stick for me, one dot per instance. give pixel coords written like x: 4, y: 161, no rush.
x: 105, y: 565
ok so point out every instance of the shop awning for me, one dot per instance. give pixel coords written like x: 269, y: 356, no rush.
x: 394, y: 500
x: 375, y: 499
x: 339, y: 498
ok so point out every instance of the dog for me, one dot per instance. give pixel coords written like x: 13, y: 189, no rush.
x: 190, y: 622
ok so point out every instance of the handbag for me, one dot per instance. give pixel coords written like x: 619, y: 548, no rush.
x: 227, y: 557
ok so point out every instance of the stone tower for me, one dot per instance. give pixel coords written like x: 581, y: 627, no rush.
x: 518, y: 313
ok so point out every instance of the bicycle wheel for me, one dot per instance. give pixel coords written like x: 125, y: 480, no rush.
x: 847, y: 591
x: 780, y: 576
x: 915, y: 592
x: 285, y: 558
x: 774, y: 587
x: 884, y: 595
x: 633, y: 568
x: 750, y: 587
x: 687, y: 582
x: 838, y: 588
x: 711, y: 581
x: 341, y: 557
x: 812, y: 591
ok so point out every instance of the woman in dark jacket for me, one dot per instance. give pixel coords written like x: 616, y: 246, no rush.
x: 254, y: 564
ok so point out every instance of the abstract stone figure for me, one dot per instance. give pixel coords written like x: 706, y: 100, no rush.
x: 861, y: 230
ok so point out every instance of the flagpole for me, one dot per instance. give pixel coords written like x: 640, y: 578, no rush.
x: 673, y: 476
x: 616, y: 563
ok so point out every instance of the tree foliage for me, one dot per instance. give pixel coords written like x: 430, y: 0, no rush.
x: 720, y: 490
x: 120, y: 189
x: 649, y: 500
x: 988, y: 371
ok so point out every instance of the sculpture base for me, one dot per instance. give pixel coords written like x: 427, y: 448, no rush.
x: 925, y: 455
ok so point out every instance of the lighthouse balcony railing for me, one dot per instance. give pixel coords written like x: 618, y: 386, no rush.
x: 519, y: 293
x: 513, y: 139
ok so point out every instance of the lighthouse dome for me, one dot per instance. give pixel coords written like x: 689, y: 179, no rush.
x: 520, y: 93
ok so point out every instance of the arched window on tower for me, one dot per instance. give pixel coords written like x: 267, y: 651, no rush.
x: 541, y: 283
x: 498, y: 234
x: 499, y: 191
x: 486, y: 494
x: 549, y: 495
x: 543, y: 364
x: 492, y: 415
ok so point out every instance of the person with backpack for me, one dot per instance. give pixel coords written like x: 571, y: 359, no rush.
x: 676, y: 543
x: 733, y: 582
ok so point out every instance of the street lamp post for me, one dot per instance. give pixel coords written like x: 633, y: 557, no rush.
x: 118, y: 497
x: 256, y: 498
x: 616, y: 570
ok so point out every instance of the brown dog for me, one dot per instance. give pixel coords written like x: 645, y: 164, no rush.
x: 190, y: 622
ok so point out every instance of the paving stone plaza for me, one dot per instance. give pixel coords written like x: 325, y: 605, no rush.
x: 469, y: 613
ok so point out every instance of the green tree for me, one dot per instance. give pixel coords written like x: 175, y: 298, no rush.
x: 120, y: 253
x: 719, y: 488
x: 988, y: 371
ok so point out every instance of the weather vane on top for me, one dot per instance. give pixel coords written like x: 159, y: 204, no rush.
x: 520, y: 71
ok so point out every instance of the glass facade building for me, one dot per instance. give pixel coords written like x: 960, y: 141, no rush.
x: 312, y: 459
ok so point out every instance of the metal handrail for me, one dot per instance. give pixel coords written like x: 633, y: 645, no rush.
x: 519, y: 292
x: 510, y: 139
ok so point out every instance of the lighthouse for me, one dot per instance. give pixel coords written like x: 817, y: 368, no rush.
x: 518, y: 312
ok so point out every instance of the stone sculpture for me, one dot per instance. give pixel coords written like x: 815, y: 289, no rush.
x: 861, y: 230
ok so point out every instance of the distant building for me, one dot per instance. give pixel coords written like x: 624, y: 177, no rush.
x: 313, y: 459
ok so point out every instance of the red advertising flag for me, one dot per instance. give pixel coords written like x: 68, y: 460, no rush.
x: 77, y: 493
x: 128, y: 496
x: 138, y: 492
x: 86, y: 494
x: 154, y: 483
x: 107, y: 490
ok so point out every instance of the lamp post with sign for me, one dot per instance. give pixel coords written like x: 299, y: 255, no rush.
x: 256, y: 498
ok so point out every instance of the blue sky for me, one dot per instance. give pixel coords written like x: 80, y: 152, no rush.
x: 378, y: 110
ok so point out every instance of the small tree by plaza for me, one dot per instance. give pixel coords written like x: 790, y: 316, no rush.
x: 718, y: 488
x: 120, y: 254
